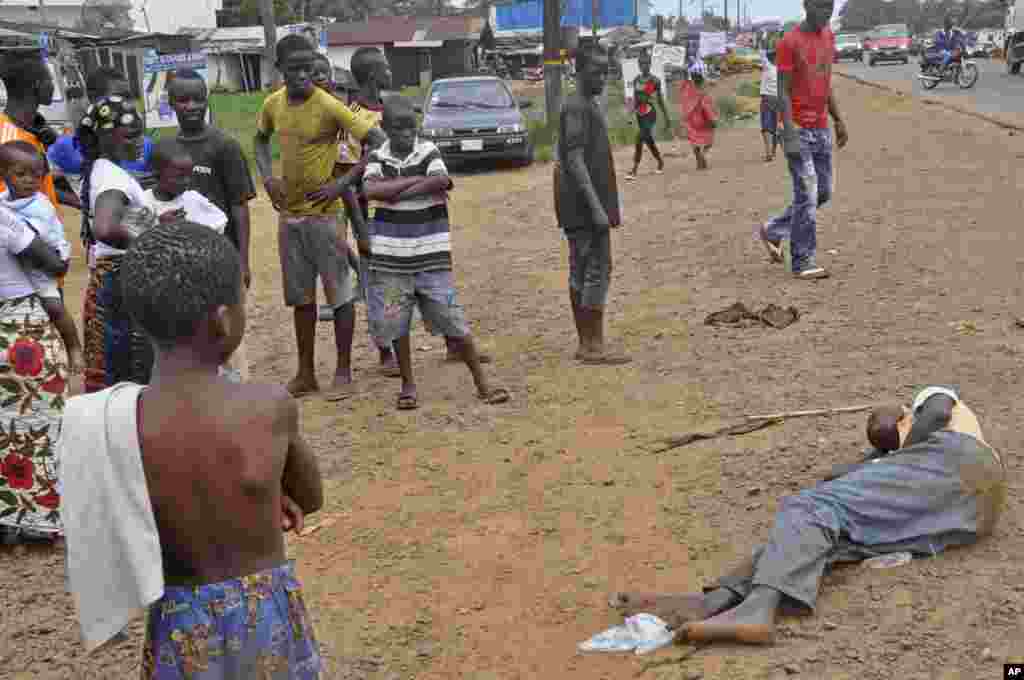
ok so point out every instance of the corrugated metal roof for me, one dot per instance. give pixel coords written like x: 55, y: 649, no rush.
x: 240, y: 38
x: 453, y: 28
x: 375, y: 31
x: 390, y: 30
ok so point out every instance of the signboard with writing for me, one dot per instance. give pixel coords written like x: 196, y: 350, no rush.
x: 712, y: 44
x: 158, y: 70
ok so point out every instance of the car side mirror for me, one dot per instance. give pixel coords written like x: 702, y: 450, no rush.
x: 418, y: 109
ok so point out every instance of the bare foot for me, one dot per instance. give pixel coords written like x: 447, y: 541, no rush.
x: 750, y: 623
x: 675, y: 610
x: 603, y: 358
x: 301, y: 386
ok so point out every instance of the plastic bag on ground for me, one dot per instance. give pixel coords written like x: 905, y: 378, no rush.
x: 640, y: 634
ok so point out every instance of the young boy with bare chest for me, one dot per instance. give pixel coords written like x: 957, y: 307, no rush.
x: 220, y: 461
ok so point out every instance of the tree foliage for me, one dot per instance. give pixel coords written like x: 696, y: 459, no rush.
x: 102, y: 16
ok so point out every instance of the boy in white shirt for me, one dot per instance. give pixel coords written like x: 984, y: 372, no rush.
x: 23, y: 169
x: 172, y: 199
x: 769, y: 104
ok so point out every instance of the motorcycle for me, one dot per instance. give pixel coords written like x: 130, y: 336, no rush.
x: 960, y: 70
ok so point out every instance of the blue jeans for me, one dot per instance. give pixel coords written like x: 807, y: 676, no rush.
x: 812, y: 188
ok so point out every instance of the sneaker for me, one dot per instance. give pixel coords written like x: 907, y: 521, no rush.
x: 812, y: 273
x: 325, y: 313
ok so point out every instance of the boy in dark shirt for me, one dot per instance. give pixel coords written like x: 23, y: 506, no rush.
x: 220, y: 173
x: 587, y: 204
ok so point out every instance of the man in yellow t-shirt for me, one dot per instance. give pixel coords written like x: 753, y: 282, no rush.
x: 308, y: 123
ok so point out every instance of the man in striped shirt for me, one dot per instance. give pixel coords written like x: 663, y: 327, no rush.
x: 410, y: 259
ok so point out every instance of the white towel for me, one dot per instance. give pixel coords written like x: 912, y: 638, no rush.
x: 115, y: 569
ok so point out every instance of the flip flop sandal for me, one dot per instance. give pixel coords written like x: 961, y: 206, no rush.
x: 298, y: 394
x: 606, y: 360
x: 340, y: 393
x: 498, y: 395
x: 407, y: 402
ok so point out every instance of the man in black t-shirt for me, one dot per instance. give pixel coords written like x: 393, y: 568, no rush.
x: 220, y: 171
x: 587, y: 204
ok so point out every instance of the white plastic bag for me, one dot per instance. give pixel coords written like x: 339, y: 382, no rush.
x: 640, y: 634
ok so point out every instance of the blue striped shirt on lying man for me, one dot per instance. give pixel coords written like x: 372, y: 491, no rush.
x: 409, y: 236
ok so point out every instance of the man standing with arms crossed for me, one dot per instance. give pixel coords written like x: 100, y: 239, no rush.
x: 804, y: 61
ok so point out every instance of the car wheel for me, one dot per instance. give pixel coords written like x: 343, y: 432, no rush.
x: 871, y: 62
x: 906, y: 61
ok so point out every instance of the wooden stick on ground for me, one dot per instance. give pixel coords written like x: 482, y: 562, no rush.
x: 813, y: 412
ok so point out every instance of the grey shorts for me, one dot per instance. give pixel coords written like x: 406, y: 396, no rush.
x: 310, y: 248
x: 393, y: 297
x: 590, y: 267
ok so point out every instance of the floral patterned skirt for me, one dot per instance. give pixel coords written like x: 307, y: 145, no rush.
x: 33, y: 389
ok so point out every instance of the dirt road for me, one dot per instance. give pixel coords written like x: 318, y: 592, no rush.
x: 479, y: 542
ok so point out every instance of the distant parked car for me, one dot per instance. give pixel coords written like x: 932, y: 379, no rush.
x: 848, y: 46
x: 476, y: 118
x: 889, y: 42
x: 533, y: 73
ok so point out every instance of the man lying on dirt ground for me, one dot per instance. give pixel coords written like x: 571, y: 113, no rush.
x: 943, y: 486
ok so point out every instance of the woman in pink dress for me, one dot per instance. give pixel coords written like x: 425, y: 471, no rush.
x: 698, y: 110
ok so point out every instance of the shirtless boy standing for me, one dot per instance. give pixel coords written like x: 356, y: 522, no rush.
x: 220, y: 458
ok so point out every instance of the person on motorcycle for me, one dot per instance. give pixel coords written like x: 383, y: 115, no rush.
x: 948, y: 41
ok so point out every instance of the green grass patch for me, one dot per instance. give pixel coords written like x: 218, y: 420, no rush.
x: 728, y: 107
x: 749, y: 88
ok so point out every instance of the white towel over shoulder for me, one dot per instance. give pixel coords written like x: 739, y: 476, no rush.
x: 114, y: 562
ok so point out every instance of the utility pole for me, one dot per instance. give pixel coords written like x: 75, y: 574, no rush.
x: 552, y: 60
x: 269, y: 36
x: 595, y: 11
x: 725, y: 4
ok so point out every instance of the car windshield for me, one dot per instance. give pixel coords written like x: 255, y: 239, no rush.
x: 481, y: 94
x: 846, y: 39
x: 891, y: 32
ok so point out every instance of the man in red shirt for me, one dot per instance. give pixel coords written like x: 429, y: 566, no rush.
x: 804, y: 60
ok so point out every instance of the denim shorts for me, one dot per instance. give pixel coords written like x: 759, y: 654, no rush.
x: 590, y: 266
x: 393, y: 297
x: 769, y: 114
